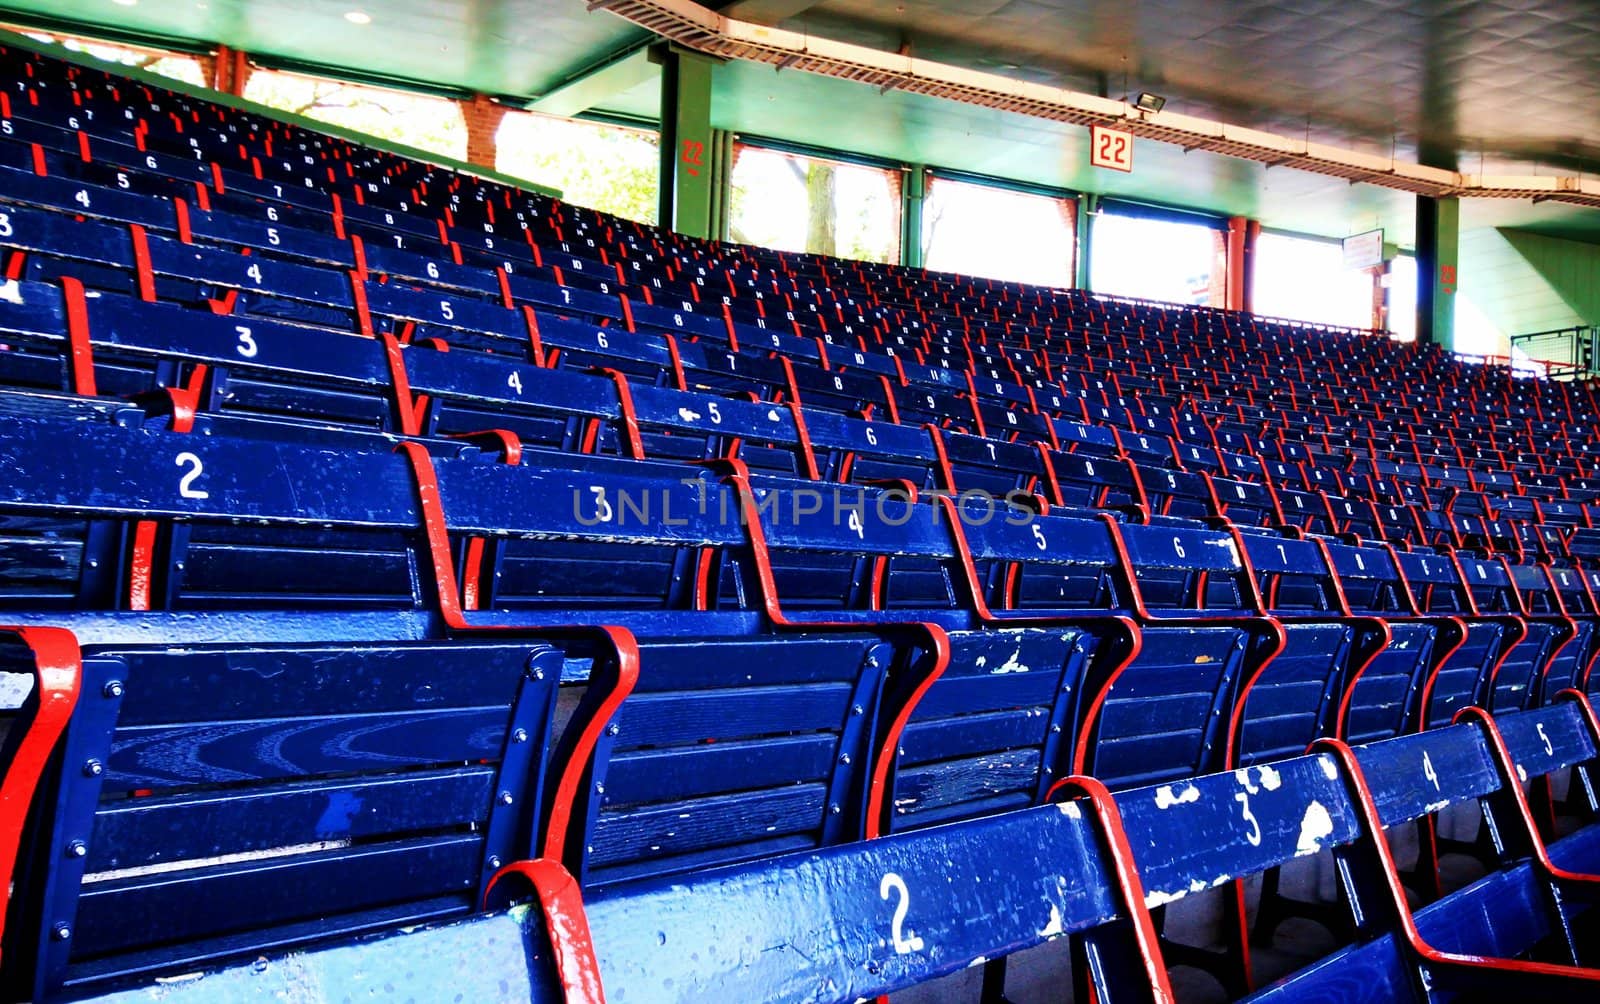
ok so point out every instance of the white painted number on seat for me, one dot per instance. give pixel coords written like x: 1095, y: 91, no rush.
x: 902, y: 944
x: 186, y: 485
x: 1254, y: 836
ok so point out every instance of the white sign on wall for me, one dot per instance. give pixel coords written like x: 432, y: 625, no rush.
x: 1363, y: 250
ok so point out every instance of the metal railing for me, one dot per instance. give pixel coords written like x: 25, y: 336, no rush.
x: 1564, y: 353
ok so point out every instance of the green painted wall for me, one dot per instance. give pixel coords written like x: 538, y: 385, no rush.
x: 1572, y: 268
x: 1515, y: 282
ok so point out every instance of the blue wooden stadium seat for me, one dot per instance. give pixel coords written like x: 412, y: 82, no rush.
x: 1336, y: 811
x: 1518, y: 678
x: 1466, y: 662
x: 774, y: 930
x: 1255, y: 818
x: 1295, y: 698
x: 323, y: 426
x: 1382, y: 698
x: 334, y: 788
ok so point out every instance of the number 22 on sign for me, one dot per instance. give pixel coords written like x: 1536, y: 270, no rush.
x: 1110, y: 148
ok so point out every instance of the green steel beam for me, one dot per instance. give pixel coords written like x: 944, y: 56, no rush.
x: 721, y: 182
x: 1438, y: 256
x: 688, y: 167
x: 1088, y: 207
x: 595, y: 84
x: 913, y: 193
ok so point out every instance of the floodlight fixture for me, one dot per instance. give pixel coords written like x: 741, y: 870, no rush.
x: 1147, y: 102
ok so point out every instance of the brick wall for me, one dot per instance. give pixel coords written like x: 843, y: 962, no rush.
x: 483, y: 118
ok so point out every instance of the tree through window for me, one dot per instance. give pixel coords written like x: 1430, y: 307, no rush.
x: 809, y: 204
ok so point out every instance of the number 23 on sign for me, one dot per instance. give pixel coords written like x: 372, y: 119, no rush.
x: 1110, y: 148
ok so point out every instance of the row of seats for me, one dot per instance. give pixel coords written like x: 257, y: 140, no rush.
x: 66, y: 139
x: 154, y: 257
x: 375, y: 531
x: 875, y: 917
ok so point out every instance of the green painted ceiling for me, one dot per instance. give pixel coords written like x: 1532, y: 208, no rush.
x: 502, y: 47
x: 1364, y: 73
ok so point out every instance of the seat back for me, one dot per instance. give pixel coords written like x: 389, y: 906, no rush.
x: 1518, y: 679
x: 1545, y: 741
x: 1088, y: 482
x: 1380, y: 699
x: 835, y: 552
x: 206, y: 777
x: 1417, y: 775
x: 1295, y: 698
x: 1165, y: 714
x: 195, y: 523
x: 996, y: 467
x: 1244, y: 503
x: 1254, y: 819
x: 1542, y: 592
x: 854, y: 922
x: 1461, y: 675
x: 863, y: 452
x: 736, y: 749
x: 1180, y: 494
x: 996, y: 729
x: 876, y: 917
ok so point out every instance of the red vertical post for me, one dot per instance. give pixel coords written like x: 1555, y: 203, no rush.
x: 1240, y: 245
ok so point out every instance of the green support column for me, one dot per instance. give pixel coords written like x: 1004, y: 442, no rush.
x: 721, y: 183
x: 1088, y: 206
x: 689, y: 160
x: 1438, y: 247
x: 912, y: 194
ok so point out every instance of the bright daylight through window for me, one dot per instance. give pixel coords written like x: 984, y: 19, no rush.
x: 997, y: 232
